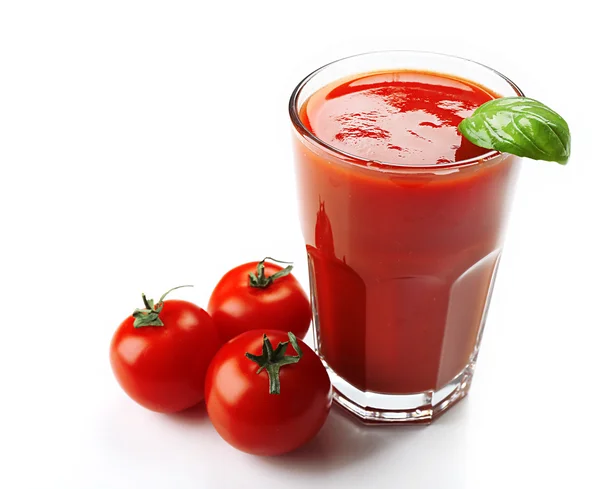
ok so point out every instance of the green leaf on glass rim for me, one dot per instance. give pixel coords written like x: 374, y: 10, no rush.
x: 520, y: 126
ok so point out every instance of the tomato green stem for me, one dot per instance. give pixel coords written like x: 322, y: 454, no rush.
x: 150, y: 315
x: 272, y: 360
x: 148, y: 306
x: 162, y: 297
x: 258, y: 279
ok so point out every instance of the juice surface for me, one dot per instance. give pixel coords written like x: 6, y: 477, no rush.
x: 405, y: 118
x: 401, y: 262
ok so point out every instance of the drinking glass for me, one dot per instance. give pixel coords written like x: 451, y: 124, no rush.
x: 402, y: 258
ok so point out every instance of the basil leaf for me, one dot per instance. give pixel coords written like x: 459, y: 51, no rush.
x: 520, y: 126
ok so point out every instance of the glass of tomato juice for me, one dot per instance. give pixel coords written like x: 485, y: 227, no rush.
x: 403, y: 220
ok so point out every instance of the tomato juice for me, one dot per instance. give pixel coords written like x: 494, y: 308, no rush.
x: 403, y: 220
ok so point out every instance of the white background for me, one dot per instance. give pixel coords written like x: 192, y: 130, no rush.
x: 146, y: 144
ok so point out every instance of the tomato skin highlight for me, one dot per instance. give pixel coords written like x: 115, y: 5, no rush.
x: 237, y: 307
x: 163, y: 368
x: 247, y: 416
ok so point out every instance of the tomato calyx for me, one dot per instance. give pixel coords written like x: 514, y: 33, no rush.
x: 258, y: 279
x: 149, y: 316
x: 272, y: 360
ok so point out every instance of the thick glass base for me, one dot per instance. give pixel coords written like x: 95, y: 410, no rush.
x: 419, y: 408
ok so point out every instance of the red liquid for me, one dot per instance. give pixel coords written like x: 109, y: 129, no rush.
x: 401, y: 262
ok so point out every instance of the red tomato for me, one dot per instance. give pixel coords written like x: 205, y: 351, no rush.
x: 246, y: 409
x: 160, y: 354
x: 259, y: 295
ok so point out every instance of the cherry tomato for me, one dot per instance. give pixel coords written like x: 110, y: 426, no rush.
x: 264, y: 400
x: 160, y: 354
x: 259, y: 295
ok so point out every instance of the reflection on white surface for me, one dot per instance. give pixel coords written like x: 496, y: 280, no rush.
x: 430, y: 457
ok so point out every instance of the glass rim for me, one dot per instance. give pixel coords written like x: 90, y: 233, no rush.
x: 382, y: 165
